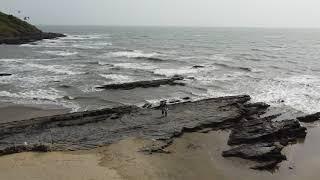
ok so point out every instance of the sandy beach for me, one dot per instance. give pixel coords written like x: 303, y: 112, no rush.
x: 193, y: 156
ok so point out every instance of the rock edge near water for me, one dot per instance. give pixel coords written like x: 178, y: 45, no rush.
x: 252, y: 137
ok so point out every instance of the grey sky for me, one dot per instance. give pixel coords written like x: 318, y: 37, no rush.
x: 243, y: 13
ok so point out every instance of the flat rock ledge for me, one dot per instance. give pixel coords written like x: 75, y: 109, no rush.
x: 173, y: 81
x: 309, y: 118
x: 252, y: 137
x: 29, y: 38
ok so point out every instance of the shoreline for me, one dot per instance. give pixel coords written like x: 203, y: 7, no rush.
x: 194, y: 155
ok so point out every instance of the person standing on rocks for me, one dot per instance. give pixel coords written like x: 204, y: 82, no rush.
x: 164, y: 108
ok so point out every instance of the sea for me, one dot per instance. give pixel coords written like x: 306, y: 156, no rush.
x: 280, y: 67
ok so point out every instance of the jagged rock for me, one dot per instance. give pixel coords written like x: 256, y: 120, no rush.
x: 264, y: 130
x: 90, y: 129
x: 147, y: 105
x: 145, y: 84
x: 257, y: 138
x: 309, y: 118
x: 5, y: 74
x: 259, y: 152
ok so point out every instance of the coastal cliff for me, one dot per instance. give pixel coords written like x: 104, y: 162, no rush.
x: 16, y: 31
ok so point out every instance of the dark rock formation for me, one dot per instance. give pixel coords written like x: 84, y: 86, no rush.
x: 90, y: 129
x: 16, y: 31
x: 309, y: 118
x: 5, y: 74
x: 27, y: 38
x: 186, y: 98
x: 197, y: 66
x: 262, y: 139
x: 259, y: 152
x: 265, y: 130
x: 257, y: 139
x: 145, y: 84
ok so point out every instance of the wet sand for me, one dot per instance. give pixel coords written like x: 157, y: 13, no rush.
x: 193, y: 156
x: 11, y: 112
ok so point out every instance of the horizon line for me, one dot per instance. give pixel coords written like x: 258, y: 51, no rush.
x: 180, y: 26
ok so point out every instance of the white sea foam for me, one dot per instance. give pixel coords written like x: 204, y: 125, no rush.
x: 142, y: 66
x: 132, y: 54
x: 301, y: 79
x: 291, y: 91
x: 81, y: 37
x: 172, y: 72
x: 59, y: 53
x: 201, y: 72
x: 40, y: 94
x: 49, y: 96
x: 58, y: 69
x: 117, y: 78
x: 11, y: 60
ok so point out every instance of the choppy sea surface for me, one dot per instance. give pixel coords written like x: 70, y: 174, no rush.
x: 277, y: 66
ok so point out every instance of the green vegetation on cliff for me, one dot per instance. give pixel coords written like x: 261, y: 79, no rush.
x: 11, y: 26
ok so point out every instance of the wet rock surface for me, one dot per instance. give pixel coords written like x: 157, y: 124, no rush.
x: 145, y: 84
x: 252, y: 137
x: 309, y: 118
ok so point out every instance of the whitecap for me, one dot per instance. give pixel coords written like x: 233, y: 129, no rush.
x: 199, y: 72
x: 59, y: 53
x: 301, y: 79
x: 58, y: 69
x: 172, y: 72
x: 117, y: 78
x: 142, y: 66
x: 39, y: 94
x: 132, y: 54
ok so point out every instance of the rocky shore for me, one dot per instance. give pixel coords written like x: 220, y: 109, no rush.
x: 253, y: 136
x: 16, y: 31
x: 29, y: 38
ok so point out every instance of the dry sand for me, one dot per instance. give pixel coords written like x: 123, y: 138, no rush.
x: 193, y: 156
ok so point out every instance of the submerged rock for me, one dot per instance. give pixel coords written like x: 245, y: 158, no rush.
x: 197, y: 66
x: 145, y: 84
x: 5, y: 74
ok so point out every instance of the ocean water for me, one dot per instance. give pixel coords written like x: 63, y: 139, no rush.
x: 277, y: 66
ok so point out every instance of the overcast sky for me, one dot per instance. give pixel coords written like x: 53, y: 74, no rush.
x: 235, y: 13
